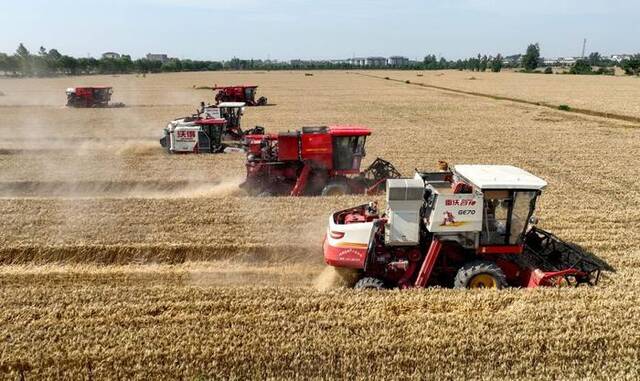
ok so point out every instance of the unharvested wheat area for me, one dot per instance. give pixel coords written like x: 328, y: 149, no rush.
x: 119, y: 260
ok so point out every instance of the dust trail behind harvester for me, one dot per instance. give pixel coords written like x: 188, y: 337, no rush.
x: 331, y: 278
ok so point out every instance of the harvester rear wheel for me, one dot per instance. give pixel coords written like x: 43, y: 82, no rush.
x: 369, y: 283
x: 335, y: 189
x: 480, y: 274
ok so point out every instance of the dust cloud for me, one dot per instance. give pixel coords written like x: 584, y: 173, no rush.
x: 332, y: 278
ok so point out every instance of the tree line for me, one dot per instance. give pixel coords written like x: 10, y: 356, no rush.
x: 51, y: 62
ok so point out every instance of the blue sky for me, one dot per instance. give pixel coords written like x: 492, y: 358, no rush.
x: 315, y: 29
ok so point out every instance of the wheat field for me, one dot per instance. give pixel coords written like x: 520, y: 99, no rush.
x: 118, y: 261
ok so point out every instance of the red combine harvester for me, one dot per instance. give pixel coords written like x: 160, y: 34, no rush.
x: 315, y: 161
x: 244, y: 93
x: 91, y: 97
x: 471, y: 227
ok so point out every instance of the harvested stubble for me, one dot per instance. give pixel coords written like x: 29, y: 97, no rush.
x: 257, y: 314
x: 598, y: 93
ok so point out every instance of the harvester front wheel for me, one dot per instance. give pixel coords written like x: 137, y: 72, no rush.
x: 480, y: 274
x: 335, y: 189
x: 369, y: 283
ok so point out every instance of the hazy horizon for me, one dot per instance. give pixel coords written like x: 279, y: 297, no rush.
x: 328, y: 29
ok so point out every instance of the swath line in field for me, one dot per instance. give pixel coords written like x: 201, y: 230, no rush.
x: 600, y: 114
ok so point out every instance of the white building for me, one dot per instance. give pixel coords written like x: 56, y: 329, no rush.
x: 357, y: 61
x: 375, y: 61
x: 620, y: 57
x: 397, y: 61
x: 110, y: 55
x: 567, y: 60
x: 158, y: 57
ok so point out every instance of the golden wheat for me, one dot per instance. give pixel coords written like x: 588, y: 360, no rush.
x: 102, y: 237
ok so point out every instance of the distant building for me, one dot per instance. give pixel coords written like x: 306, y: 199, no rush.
x: 158, y: 57
x: 620, y: 57
x: 110, y: 55
x: 357, y: 61
x: 567, y: 60
x: 512, y: 60
x: 375, y: 61
x: 397, y: 61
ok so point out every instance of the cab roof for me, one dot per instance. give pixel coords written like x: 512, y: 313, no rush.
x: 232, y: 104
x: 499, y: 177
x: 349, y: 130
x: 216, y: 87
x: 210, y: 122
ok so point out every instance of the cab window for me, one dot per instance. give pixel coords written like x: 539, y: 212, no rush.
x: 523, y: 207
x: 496, y: 214
x: 506, y: 216
x: 348, y: 152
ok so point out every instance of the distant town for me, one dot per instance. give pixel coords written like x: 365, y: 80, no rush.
x: 51, y: 62
x: 392, y: 61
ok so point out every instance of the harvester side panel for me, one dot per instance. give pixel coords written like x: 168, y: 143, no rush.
x: 318, y: 149
x: 288, y: 146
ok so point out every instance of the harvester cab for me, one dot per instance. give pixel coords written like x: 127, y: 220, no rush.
x: 88, y: 97
x: 471, y: 227
x: 314, y: 161
x: 232, y: 112
x: 243, y: 93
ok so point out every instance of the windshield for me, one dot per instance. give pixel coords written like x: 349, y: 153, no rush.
x: 523, y: 206
x: 348, y: 152
x: 506, y: 216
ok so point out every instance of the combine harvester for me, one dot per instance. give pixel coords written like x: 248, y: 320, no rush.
x: 472, y: 227
x: 315, y: 161
x: 91, y: 97
x: 212, y: 129
x: 243, y: 93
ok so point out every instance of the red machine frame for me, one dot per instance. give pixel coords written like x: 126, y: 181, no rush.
x: 86, y: 97
x: 538, y: 259
x: 316, y: 160
x: 239, y: 94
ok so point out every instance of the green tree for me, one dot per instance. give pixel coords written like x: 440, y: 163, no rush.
x: 531, y: 58
x: 581, y: 67
x: 496, y: 63
x: 24, y: 60
x: 631, y: 66
x: 484, y: 63
x: 595, y: 59
x: 69, y: 65
x: 22, y: 51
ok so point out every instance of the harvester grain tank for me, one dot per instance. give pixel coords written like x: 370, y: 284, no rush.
x: 314, y: 161
x: 469, y: 227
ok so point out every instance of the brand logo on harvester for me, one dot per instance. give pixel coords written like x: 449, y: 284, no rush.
x: 463, y: 202
x: 350, y: 255
x: 186, y: 134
